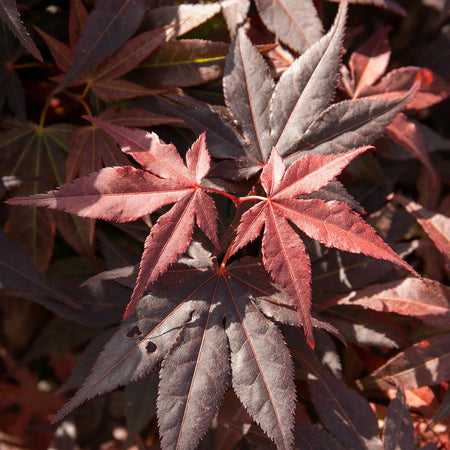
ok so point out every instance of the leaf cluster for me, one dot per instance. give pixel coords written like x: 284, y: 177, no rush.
x: 235, y: 211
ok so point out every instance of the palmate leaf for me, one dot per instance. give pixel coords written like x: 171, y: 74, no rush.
x: 108, y: 27
x: 39, y: 150
x: 196, y: 318
x: 295, y: 116
x: 102, y: 78
x: 124, y: 194
x: 333, y: 224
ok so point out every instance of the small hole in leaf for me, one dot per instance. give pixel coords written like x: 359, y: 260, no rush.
x: 135, y: 331
x: 151, y: 347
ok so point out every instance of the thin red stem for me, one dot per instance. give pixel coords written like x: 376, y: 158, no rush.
x: 236, y: 200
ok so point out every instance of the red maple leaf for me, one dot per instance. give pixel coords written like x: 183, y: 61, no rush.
x: 124, y: 194
x: 332, y: 223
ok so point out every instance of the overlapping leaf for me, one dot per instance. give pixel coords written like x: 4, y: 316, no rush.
x: 344, y: 412
x: 108, y: 27
x: 92, y: 148
x: 41, y: 151
x: 436, y: 225
x: 296, y: 24
x: 331, y: 223
x: 424, y: 364
x: 427, y: 301
x: 366, y: 327
x: 199, y: 315
x: 89, y: 61
x: 11, y: 86
x: 184, y: 62
x: 124, y: 194
x: 367, y: 64
x: 399, y: 430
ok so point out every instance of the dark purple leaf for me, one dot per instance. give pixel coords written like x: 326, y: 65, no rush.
x: 348, y: 124
x: 345, y: 413
x: 248, y: 88
x: 399, y: 430
x: 182, y: 322
x: 10, y: 14
x: 108, y: 27
x: 261, y: 368
x: 306, y: 89
x: 22, y: 278
x: 194, y: 375
x: 309, y: 436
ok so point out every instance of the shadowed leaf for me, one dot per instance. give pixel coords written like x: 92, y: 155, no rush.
x: 91, y: 150
x: 309, y: 436
x: 182, y: 323
x: 399, y: 430
x: 390, y: 5
x: 344, y: 413
x: 407, y: 134
x: 10, y: 14
x: 109, y: 26
x: 424, y: 364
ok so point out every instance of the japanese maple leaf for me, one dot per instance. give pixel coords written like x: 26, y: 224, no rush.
x: 332, y: 223
x: 124, y: 194
x: 206, y: 324
x: 296, y: 114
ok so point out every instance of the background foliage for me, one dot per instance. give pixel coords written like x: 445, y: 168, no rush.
x: 75, y: 73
